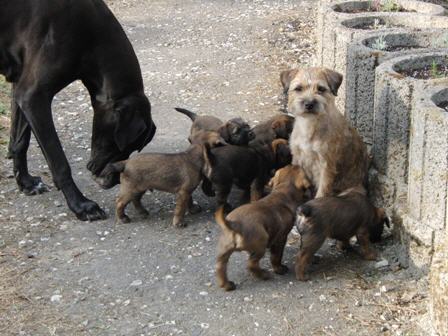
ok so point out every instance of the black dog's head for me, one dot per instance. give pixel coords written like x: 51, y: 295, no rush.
x: 118, y: 130
x: 236, y: 132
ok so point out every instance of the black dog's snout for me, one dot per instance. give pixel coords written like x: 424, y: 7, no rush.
x: 309, y: 105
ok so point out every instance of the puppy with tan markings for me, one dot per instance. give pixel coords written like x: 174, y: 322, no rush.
x: 260, y: 225
x: 339, y: 217
x: 249, y: 168
x: 214, y: 132
x: 277, y: 127
x: 178, y: 173
x: 322, y: 142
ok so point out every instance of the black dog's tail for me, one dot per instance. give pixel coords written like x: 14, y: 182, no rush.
x: 112, y: 168
x: 189, y: 114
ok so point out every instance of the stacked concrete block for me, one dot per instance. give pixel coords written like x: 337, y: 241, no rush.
x: 426, y: 218
x: 438, y: 289
x: 365, y: 54
x: 340, y: 23
x: 394, y: 99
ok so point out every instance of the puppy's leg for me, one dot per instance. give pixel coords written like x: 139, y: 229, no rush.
x: 207, y: 187
x: 222, y: 193
x: 137, y: 202
x: 326, y: 180
x: 342, y: 245
x: 122, y: 201
x: 182, y: 199
x: 367, y: 251
x: 256, y: 189
x: 224, y: 253
x: 311, y: 242
x: 277, y: 254
x: 193, y: 208
x: 253, y: 265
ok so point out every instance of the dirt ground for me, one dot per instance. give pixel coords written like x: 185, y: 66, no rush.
x: 59, y: 276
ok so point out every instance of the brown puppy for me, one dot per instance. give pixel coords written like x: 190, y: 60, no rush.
x: 178, y: 173
x: 339, y: 217
x: 277, y: 127
x: 206, y: 129
x: 249, y: 168
x: 260, y: 225
x: 322, y: 142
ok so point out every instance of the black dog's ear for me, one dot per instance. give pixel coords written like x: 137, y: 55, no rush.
x: 130, y: 126
x: 286, y: 77
x: 334, y: 80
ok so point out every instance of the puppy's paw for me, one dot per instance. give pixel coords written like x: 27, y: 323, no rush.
x: 124, y: 220
x: 302, y: 277
x: 282, y: 269
x: 194, y: 209
x: 229, y: 286
x: 261, y: 274
x: 179, y: 223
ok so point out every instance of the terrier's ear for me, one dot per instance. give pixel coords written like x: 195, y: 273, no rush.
x: 286, y: 77
x: 334, y: 80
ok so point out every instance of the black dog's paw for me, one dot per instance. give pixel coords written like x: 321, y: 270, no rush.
x: 194, y: 209
x: 32, y: 185
x: 88, y: 210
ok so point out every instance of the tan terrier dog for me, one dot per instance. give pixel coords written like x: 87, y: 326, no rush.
x: 322, y: 142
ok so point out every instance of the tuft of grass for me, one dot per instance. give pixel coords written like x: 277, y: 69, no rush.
x: 434, y: 70
x: 380, y: 43
x: 384, y: 6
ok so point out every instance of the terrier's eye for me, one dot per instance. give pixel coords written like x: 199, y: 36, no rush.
x: 298, y: 88
x: 321, y: 89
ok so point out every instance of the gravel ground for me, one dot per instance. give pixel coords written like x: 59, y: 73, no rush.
x: 59, y: 276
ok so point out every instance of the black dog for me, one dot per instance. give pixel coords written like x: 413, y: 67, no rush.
x: 44, y: 46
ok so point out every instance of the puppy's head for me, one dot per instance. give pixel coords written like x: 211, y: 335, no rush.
x: 212, y: 139
x: 377, y: 225
x: 310, y: 91
x: 290, y: 175
x: 236, y: 132
x: 280, y: 148
x: 282, y: 126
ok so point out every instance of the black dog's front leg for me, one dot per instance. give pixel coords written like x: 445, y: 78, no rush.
x: 18, y: 147
x: 37, y: 109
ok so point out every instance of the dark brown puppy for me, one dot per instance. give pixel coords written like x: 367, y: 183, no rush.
x: 339, y: 217
x: 235, y: 131
x: 260, y: 225
x: 249, y: 168
x: 178, y: 173
x: 277, y: 127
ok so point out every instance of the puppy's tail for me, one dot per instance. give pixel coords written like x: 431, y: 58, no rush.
x: 221, y: 220
x: 189, y: 114
x: 112, y: 168
x: 302, y: 221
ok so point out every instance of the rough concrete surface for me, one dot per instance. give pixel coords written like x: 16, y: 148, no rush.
x: 59, y: 276
x: 364, y: 55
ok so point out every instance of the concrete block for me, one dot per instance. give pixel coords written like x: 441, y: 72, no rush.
x: 365, y: 54
x: 428, y: 157
x: 339, y: 23
x: 394, y: 96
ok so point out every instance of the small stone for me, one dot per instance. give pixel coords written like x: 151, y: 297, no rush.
x: 358, y: 303
x: 247, y: 299
x: 203, y: 293
x: 382, y: 263
x: 126, y: 303
x: 136, y: 283
x: 56, y: 298
x: 322, y: 298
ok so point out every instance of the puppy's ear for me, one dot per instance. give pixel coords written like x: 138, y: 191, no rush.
x: 224, y: 132
x: 334, y: 80
x: 301, y: 181
x: 286, y: 77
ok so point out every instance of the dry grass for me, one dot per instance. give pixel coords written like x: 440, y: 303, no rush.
x: 21, y: 313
